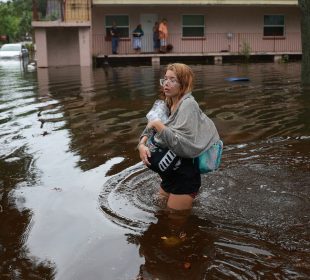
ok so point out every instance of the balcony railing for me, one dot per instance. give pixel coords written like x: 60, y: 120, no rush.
x: 236, y: 43
x: 60, y: 10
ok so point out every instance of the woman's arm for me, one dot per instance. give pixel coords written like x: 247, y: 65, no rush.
x: 157, y: 124
x: 144, y: 151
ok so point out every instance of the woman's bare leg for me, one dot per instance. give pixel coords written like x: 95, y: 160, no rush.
x: 162, y: 193
x: 161, y: 198
x: 180, y: 201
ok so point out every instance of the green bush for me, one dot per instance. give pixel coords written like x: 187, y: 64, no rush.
x: 245, y: 50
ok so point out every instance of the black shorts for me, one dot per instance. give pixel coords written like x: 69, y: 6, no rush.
x: 184, y: 180
x: 179, y: 175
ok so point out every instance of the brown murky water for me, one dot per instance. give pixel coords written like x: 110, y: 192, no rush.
x: 77, y: 204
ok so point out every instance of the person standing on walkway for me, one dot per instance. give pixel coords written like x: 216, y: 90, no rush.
x: 163, y: 35
x: 137, y: 35
x: 156, y: 40
x: 114, y: 32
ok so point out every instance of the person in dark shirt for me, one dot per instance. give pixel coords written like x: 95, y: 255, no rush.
x: 114, y: 32
x: 156, y: 40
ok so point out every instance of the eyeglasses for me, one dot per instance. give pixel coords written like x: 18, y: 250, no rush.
x: 166, y: 80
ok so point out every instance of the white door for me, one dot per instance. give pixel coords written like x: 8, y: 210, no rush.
x: 147, y: 21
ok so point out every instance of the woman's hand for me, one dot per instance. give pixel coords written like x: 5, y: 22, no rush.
x: 144, y: 153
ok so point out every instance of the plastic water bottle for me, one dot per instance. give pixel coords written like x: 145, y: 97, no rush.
x: 159, y: 111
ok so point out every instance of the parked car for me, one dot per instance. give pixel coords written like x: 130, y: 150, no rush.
x: 13, y: 51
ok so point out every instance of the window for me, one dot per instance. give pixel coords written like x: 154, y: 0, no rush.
x: 273, y: 25
x: 122, y: 23
x: 193, y: 25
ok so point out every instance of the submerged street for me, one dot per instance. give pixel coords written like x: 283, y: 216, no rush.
x: 76, y: 203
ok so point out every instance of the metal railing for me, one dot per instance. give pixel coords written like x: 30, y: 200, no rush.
x: 69, y: 10
x: 237, y: 43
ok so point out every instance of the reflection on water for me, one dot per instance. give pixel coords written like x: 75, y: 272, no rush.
x: 77, y: 204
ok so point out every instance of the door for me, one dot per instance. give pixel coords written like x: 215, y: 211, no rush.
x: 147, y: 21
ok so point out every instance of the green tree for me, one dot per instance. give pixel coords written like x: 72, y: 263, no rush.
x: 23, y: 10
x: 8, y: 22
x: 15, y: 19
x: 305, y: 38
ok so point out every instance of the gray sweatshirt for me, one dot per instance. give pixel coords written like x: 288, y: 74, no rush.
x: 188, y: 131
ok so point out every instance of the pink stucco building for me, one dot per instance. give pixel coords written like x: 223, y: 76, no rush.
x: 72, y: 32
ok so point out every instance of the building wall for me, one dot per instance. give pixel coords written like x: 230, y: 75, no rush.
x: 218, y: 20
x: 63, y: 46
x: 85, y: 46
x: 41, y: 47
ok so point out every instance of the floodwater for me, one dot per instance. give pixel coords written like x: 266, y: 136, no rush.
x: 76, y: 203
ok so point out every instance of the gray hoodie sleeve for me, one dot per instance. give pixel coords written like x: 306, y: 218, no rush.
x: 188, y: 132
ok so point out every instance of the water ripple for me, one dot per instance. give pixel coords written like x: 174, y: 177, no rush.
x: 251, y: 212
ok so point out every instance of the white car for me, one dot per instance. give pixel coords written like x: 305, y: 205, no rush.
x: 13, y: 51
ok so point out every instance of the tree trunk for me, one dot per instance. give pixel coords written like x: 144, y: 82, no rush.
x: 35, y: 15
x: 304, y: 6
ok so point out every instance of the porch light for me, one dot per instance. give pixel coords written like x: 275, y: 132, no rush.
x: 230, y: 35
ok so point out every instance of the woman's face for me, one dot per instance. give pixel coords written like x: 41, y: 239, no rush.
x: 171, y: 84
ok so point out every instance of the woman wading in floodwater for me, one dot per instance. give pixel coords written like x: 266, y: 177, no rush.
x: 170, y: 147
